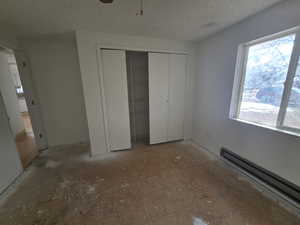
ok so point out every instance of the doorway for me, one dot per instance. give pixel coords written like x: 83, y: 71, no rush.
x: 138, y: 95
x: 16, y: 108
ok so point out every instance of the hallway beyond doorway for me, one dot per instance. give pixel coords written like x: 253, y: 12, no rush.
x: 25, y: 142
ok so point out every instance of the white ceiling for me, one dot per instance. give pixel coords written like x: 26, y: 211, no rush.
x: 175, y: 19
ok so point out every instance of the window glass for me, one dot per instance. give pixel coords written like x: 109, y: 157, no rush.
x: 292, y: 116
x: 266, y: 71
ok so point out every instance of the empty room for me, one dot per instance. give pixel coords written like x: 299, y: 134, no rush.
x: 148, y: 112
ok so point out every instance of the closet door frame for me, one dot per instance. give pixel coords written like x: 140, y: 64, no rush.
x: 129, y: 47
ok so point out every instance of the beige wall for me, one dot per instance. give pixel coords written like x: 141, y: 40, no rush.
x: 56, y: 77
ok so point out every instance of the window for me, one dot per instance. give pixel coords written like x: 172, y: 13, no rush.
x: 267, y: 83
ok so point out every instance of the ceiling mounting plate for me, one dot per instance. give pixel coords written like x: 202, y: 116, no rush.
x: 106, y: 1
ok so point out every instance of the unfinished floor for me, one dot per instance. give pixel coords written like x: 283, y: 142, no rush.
x: 25, y: 142
x: 170, y: 184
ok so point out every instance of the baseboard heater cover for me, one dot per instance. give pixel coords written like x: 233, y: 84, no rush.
x: 280, y: 184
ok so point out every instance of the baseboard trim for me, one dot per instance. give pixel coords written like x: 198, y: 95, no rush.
x: 15, y: 184
x: 61, y: 146
x: 262, y: 187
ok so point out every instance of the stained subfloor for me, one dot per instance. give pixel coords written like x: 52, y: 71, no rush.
x: 26, y: 145
x: 27, y: 148
x: 170, y: 184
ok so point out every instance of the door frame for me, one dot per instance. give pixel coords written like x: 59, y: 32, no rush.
x: 31, y: 99
x: 125, y: 48
x: 19, y: 168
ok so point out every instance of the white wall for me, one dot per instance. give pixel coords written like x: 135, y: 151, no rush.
x: 23, y: 105
x: 7, y: 87
x: 274, y: 151
x: 56, y: 77
x: 14, y: 70
x: 7, y: 37
x: 10, y: 164
x: 87, y: 43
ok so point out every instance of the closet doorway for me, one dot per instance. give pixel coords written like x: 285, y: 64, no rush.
x: 143, y: 97
x: 138, y: 96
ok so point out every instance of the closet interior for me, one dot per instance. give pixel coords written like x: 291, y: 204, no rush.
x: 138, y: 96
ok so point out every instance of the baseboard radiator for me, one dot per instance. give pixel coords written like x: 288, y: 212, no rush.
x: 280, y: 184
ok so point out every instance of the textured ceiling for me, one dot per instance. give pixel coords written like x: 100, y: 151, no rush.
x: 176, y: 19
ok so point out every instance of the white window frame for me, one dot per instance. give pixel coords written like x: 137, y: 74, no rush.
x: 240, y: 74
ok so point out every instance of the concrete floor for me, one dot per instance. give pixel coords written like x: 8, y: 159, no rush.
x: 170, y: 184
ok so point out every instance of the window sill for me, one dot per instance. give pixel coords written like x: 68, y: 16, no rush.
x: 290, y: 133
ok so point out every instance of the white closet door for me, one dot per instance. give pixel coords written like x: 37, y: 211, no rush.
x: 158, y: 96
x: 116, y: 99
x: 177, y: 78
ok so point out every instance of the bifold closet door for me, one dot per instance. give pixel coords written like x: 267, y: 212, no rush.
x: 116, y: 99
x: 158, y: 97
x: 177, y: 79
x: 167, y: 77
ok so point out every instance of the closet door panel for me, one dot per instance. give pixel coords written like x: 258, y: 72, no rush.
x: 158, y: 97
x: 116, y: 99
x: 177, y: 79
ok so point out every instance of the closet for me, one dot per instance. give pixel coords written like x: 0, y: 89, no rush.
x: 143, y: 97
x: 137, y: 79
